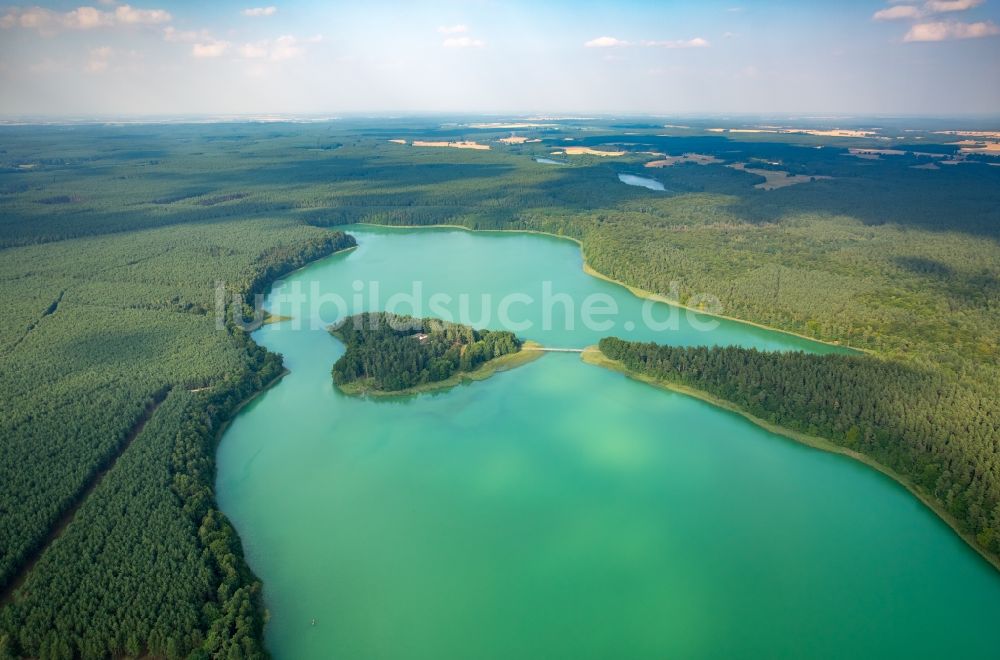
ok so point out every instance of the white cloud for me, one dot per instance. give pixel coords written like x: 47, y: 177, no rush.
x: 48, y: 22
x: 127, y: 15
x: 948, y: 30
x: 605, y: 42
x: 98, y: 60
x: 86, y: 18
x: 463, y: 42
x: 932, y: 30
x: 453, y: 29
x: 210, y: 49
x: 941, y: 6
x: 929, y: 8
x: 898, y: 12
x: 697, y: 42
x: 260, y: 11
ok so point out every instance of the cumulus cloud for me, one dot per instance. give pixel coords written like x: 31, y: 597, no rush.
x: 128, y: 15
x: 47, y: 21
x: 605, y: 42
x: 898, y: 12
x: 463, y: 42
x: 86, y: 18
x: 948, y: 30
x: 210, y: 49
x: 260, y: 11
x: 929, y: 8
x: 453, y: 29
x: 941, y: 6
x: 924, y: 28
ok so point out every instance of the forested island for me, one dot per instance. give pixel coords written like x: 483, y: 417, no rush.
x: 903, y: 417
x: 391, y: 354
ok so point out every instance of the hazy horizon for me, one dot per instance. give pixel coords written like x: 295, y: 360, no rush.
x: 537, y: 115
x: 863, y: 58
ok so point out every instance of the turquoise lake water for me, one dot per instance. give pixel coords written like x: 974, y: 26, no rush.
x: 560, y: 510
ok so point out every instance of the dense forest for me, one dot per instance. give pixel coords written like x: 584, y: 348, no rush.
x: 943, y: 438
x: 393, y: 352
x: 114, y: 379
x: 98, y: 501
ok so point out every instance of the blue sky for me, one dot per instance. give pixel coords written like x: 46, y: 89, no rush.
x: 920, y: 57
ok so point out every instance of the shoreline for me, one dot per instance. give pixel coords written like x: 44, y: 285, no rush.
x: 634, y: 290
x: 246, y: 402
x: 528, y: 353
x: 8, y: 592
x: 592, y: 355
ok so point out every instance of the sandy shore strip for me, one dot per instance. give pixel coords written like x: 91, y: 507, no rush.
x: 587, y: 151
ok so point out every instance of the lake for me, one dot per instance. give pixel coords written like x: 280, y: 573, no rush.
x: 644, y: 182
x: 560, y: 510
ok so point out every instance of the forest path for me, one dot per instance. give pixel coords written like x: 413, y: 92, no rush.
x: 7, y: 592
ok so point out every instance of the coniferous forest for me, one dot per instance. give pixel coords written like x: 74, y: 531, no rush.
x: 115, y: 378
x: 396, y: 353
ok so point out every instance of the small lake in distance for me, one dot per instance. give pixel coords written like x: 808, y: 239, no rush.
x: 633, y: 180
